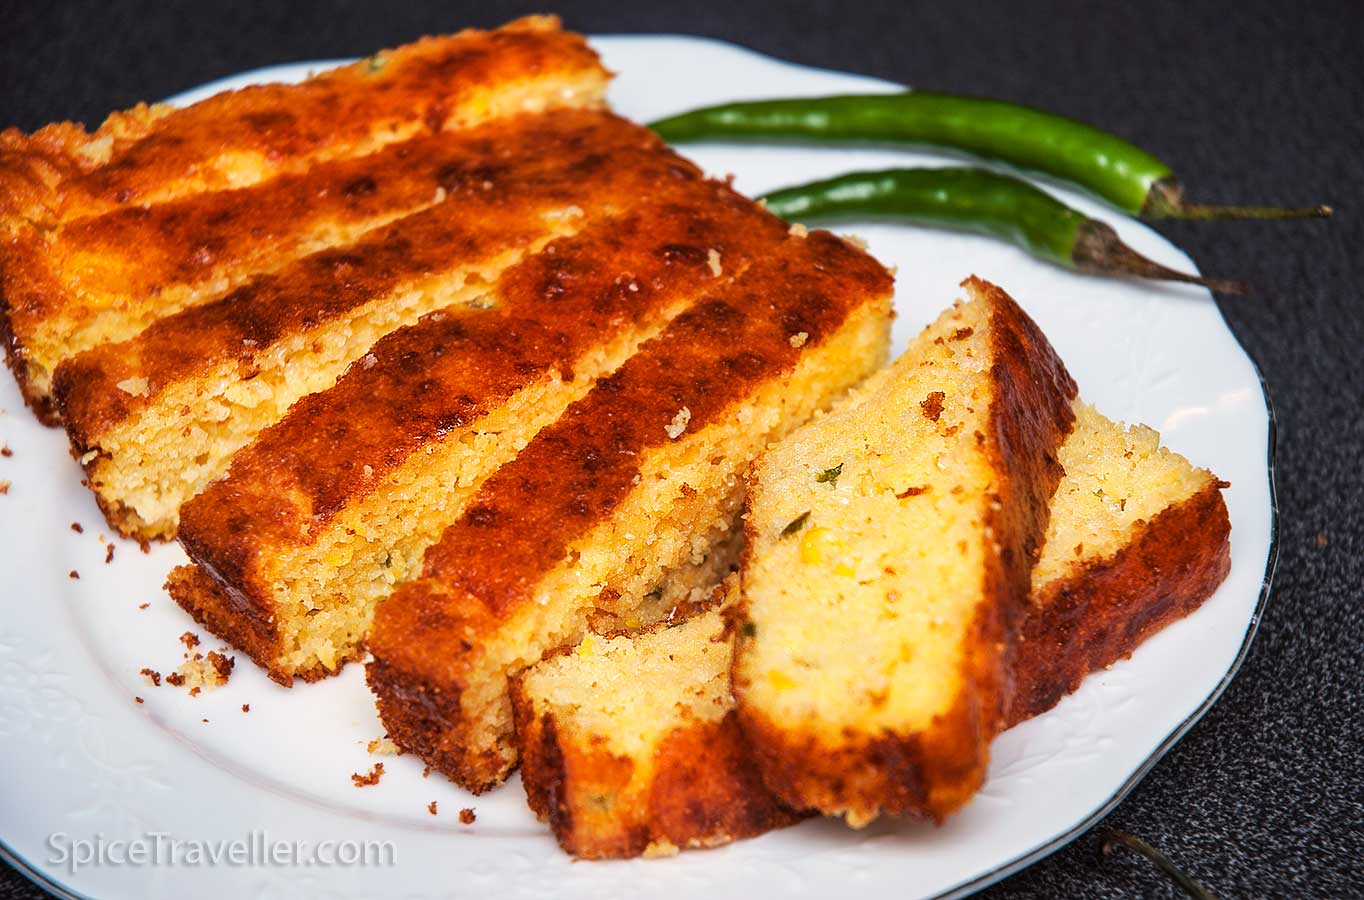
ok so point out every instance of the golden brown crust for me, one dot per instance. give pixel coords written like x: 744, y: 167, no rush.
x: 1094, y: 617
x: 145, y: 156
x: 704, y: 791
x: 476, y: 223
x: 576, y: 471
x: 441, y: 375
x: 16, y: 353
x: 935, y: 772
x: 416, y: 711
x: 98, y: 279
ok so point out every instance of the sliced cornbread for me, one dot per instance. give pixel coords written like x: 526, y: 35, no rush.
x: 324, y: 512
x: 157, y: 417
x: 62, y: 262
x: 104, y: 278
x: 640, y: 477
x: 629, y: 744
x: 1138, y: 538
x: 618, y: 738
x: 886, y: 566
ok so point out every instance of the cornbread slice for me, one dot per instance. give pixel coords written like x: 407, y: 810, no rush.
x: 1138, y: 538
x: 103, y: 279
x: 156, y: 418
x: 326, y: 511
x: 629, y: 744
x: 635, y: 480
x: 63, y: 176
x: 886, y: 567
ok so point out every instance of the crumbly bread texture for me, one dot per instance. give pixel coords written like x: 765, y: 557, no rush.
x: 641, y: 476
x: 1138, y: 538
x: 886, y: 567
x: 629, y: 743
x: 75, y: 206
x: 156, y: 418
x: 325, y: 512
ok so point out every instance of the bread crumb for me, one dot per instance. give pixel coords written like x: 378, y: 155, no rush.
x: 153, y: 677
x: 139, y: 699
x: 5, y: 451
x: 678, y: 425
x: 426, y: 771
x: 203, y: 673
x: 384, y: 746
x: 109, y: 553
x: 4, y: 487
x: 799, y: 338
x: 143, y: 605
x: 78, y: 528
x: 431, y: 807
x: 932, y: 405
x: 73, y: 575
x: 190, y: 640
x: 713, y: 260
x: 1321, y: 540
x: 798, y: 230
x: 370, y: 778
x: 467, y: 816
x: 660, y: 848
x: 137, y: 387
x: 246, y: 707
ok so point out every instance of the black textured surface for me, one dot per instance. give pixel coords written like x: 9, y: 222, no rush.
x: 1251, y: 101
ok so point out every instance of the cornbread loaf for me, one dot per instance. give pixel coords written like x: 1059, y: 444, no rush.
x: 629, y: 745
x: 83, y: 252
x: 1138, y: 538
x: 157, y: 417
x: 331, y: 507
x: 886, y: 567
x: 640, y: 477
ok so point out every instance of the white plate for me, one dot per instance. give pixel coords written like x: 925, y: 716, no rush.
x: 82, y: 761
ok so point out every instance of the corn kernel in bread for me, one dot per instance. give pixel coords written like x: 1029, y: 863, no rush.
x: 330, y: 508
x: 156, y: 418
x: 64, y: 176
x: 629, y: 745
x: 103, y: 279
x: 635, y: 480
x: 1138, y: 538
x: 888, y: 552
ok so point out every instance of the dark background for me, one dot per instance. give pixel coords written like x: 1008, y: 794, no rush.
x: 1250, y: 101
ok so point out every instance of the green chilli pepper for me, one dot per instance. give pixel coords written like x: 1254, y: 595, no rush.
x: 982, y: 202
x: 1125, y: 175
